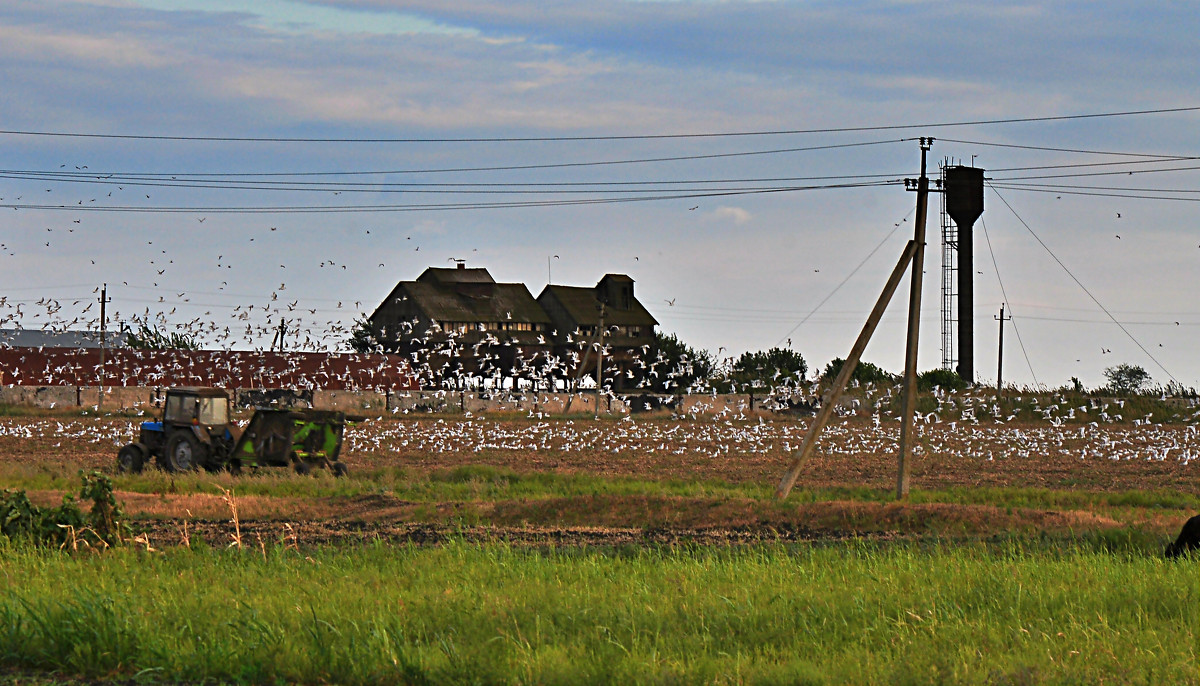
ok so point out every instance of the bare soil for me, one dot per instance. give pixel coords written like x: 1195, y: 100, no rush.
x: 1112, y: 458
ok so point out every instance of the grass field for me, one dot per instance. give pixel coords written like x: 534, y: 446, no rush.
x: 849, y: 612
x: 533, y: 550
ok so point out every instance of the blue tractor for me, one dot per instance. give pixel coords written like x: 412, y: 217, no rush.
x: 195, y: 431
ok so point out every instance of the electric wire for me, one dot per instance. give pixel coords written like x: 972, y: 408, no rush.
x: 592, y: 163
x: 1016, y: 146
x: 1080, y: 284
x: 1054, y: 186
x: 847, y: 278
x: 1099, y: 194
x: 625, y: 137
x: 75, y: 177
x: 1084, y: 165
x: 428, y: 207
x: 1122, y: 172
x: 1004, y: 293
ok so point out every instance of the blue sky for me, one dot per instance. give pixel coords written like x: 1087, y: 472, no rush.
x: 742, y: 270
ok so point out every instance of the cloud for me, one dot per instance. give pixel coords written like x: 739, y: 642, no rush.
x: 81, y: 48
x: 737, y: 215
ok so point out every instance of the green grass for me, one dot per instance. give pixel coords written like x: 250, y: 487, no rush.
x: 462, y: 613
x: 483, y: 483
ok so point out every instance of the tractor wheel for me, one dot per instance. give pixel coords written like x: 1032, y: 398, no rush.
x: 339, y: 469
x: 184, y: 452
x: 131, y: 459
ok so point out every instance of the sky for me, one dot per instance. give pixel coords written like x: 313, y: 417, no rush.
x: 356, y: 141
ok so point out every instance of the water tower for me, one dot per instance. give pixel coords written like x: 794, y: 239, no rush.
x: 963, y: 188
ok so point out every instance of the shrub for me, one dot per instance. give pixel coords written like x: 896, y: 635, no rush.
x: 58, y: 526
x: 864, y: 372
x: 943, y: 378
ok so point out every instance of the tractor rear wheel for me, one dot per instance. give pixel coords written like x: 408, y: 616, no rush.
x: 183, y: 453
x: 131, y: 459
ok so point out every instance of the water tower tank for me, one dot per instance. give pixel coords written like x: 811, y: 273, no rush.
x: 964, y: 204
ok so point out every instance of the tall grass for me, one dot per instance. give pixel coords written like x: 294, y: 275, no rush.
x: 463, y: 613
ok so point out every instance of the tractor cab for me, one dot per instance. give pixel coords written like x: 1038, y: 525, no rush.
x: 206, y: 407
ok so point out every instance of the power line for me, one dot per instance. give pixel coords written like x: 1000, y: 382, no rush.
x: 1072, y: 150
x: 657, y: 136
x: 1121, y: 172
x: 1004, y: 293
x: 326, y: 209
x: 848, y: 277
x: 1058, y: 186
x: 1080, y: 284
x: 219, y: 181
x: 561, y: 165
x: 1097, y: 194
x: 494, y: 188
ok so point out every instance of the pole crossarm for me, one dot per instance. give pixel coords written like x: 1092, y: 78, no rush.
x: 843, y: 377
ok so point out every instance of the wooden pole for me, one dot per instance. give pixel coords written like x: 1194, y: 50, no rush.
x: 909, y: 405
x: 103, y: 342
x: 587, y: 353
x: 1000, y: 357
x: 843, y: 377
x: 599, y: 360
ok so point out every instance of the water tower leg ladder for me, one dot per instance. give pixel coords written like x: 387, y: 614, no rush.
x: 949, y: 283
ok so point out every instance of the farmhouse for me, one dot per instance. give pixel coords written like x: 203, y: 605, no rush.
x: 458, y: 323
x: 608, y: 310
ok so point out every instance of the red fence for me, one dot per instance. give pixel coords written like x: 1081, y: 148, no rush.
x: 222, y: 369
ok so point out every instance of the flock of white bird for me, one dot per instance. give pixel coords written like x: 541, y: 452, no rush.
x: 974, y: 438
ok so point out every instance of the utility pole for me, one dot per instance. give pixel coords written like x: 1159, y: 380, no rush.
x: 279, y: 335
x: 103, y: 341
x: 913, y: 254
x: 599, y: 359
x: 1000, y: 355
x: 909, y: 405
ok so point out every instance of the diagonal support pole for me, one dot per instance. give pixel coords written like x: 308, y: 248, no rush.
x: 843, y: 377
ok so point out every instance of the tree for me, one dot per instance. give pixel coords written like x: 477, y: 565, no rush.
x: 1126, y: 379
x: 864, y: 372
x: 364, y: 337
x: 678, y: 364
x: 775, y: 368
x: 150, y: 338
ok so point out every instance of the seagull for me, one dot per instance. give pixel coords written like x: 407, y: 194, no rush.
x: 670, y: 303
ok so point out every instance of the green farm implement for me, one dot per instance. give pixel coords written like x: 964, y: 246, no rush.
x: 195, y: 431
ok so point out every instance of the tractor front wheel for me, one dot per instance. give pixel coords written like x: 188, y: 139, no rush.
x: 131, y: 459
x: 184, y: 452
